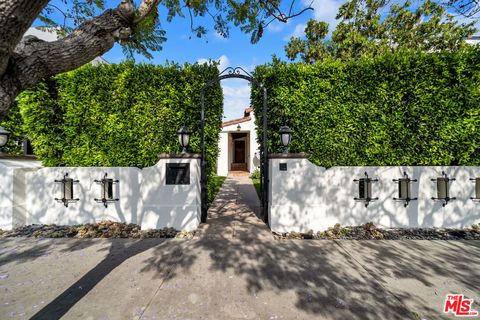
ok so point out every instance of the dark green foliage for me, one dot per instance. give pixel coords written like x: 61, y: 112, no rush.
x: 214, y: 184
x: 120, y: 115
x: 256, y: 184
x: 396, y: 109
x: 13, y: 124
x: 368, y: 28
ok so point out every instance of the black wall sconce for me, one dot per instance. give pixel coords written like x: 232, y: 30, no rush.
x: 365, y: 189
x: 477, y: 189
x: 404, y: 190
x: 106, y: 185
x: 67, y: 190
x: 443, y: 189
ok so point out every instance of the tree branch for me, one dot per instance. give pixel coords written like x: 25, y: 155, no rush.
x: 34, y: 59
x: 15, y: 18
x: 279, y: 15
x: 145, y: 9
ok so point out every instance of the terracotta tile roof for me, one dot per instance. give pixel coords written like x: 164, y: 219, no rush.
x: 236, y: 121
x: 248, y: 110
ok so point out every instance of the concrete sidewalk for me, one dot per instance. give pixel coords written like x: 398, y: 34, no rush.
x: 234, y: 269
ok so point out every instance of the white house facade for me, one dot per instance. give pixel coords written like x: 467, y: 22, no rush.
x: 239, y: 149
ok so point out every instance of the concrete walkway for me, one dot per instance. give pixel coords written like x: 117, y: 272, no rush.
x: 233, y: 269
x: 235, y: 213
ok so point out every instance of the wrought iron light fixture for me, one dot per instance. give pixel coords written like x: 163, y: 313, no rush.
x: 285, y: 137
x: 404, y: 190
x: 67, y: 190
x: 184, y: 138
x: 365, y: 189
x: 106, y: 190
x: 477, y: 189
x: 239, y: 128
x: 443, y: 189
x: 4, y: 134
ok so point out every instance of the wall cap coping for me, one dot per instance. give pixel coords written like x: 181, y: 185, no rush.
x: 288, y: 155
x: 4, y: 156
x: 179, y: 156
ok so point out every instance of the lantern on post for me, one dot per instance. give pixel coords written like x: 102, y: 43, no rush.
x: 4, y: 134
x: 285, y: 137
x: 184, y: 138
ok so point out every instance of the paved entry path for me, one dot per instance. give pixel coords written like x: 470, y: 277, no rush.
x: 233, y: 269
x: 235, y: 214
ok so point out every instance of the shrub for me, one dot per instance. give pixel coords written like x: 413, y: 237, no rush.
x: 120, y: 115
x: 255, y: 174
x: 406, y: 108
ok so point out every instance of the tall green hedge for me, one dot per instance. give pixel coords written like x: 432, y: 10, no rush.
x: 398, y: 109
x: 120, y: 115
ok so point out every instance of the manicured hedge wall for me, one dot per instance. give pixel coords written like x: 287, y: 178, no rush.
x: 120, y: 115
x: 13, y: 123
x: 399, y: 109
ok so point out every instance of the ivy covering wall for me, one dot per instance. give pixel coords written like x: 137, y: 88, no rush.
x: 120, y: 115
x: 398, y: 109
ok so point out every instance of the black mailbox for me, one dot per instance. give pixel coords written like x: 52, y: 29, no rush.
x: 178, y: 173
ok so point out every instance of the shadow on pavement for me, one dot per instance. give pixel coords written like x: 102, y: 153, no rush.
x: 327, y: 279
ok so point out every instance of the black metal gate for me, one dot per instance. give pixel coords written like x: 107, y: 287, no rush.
x: 237, y: 73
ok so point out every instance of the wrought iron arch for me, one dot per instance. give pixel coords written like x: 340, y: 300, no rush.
x: 237, y: 73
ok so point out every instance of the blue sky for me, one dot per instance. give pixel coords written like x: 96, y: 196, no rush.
x: 183, y: 46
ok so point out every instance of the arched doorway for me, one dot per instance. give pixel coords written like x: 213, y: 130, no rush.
x: 237, y: 73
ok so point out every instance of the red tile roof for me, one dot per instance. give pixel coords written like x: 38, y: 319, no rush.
x: 236, y: 121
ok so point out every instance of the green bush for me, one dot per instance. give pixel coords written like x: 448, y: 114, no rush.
x: 399, y: 109
x: 13, y: 123
x: 255, y: 174
x: 120, y: 115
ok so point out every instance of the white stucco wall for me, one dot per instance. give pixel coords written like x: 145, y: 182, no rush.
x: 223, y: 161
x: 225, y: 157
x: 12, y: 191
x: 6, y: 195
x: 307, y: 197
x: 28, y: 196
x: 42, y: 190
x: 177, y: 206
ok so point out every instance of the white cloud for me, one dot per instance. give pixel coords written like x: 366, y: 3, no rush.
x: 323, y: 10
x: 326, y: 10
x: 276, y: 26
x: 223, y: 59
x: 224, y: 62
x: 236, y: 97
x: 236, y: 92
x: 298, y: 32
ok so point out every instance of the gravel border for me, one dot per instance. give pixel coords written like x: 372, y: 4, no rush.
x: 103, y: 229
x: 369, y: 231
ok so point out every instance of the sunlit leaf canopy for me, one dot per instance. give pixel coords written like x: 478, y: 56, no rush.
x: 250, y: 16
x: 374, y: 27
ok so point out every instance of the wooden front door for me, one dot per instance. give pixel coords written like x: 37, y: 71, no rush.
x: 239, y: 152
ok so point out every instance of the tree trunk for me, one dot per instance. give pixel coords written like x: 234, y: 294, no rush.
x: 34, y: 59
x: 15, y: 19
